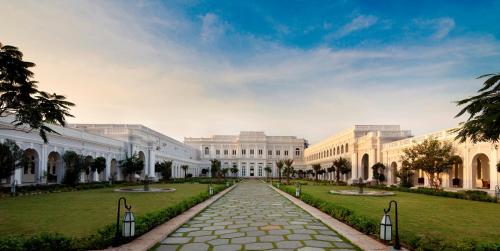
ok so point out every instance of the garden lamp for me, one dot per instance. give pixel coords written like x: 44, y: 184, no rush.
x: 386, y: 226
x: 128, y: 230
x: 297, y: 190
x: 128, y: 224
x: 210, y: 190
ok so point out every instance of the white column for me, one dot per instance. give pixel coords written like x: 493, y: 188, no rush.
x: 152, y: 161
x: 107, y: 171
x: 354, y: 163
x: 95, y: 176
x: 371, y: 161
x: 42, y: 165
x: 493, y: 168
x: 18, y: 175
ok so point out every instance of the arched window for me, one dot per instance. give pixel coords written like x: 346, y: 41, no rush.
x: 338, y: 150
x: 207, y: 151
x: 342, y: 149
x: 297, y: 152
x: 346, y: 147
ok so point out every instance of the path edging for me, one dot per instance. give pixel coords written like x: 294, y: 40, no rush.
x: 357, y: 238
x: 159, y: 233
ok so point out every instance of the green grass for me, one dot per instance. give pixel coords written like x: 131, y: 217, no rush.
x: 446, y: 218
x: 82, y: 212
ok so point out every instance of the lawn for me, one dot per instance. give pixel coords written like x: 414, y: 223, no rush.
x: 446, y: 218
x: 82, y: 212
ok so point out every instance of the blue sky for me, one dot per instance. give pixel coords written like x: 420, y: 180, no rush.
x: 305, y: 68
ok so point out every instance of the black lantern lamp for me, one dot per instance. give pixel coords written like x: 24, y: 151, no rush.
x: 13, y: 187
x: 128, y: 230
x: 210, y: 189
x: 386, y: 226
x: 298, y: 190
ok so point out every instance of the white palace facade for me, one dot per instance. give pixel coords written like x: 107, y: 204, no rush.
x: 365, y: 145
x: 250, y: 151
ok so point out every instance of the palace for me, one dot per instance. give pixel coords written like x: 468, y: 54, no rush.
x: 249, y: 151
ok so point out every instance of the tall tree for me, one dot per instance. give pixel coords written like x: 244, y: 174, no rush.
x: 378, y: 171
x: 224, y: 171
x: 185, y: 169
x: 483, y: 123
x: 288, y: 169
x: 215, y: 168
x: 431, y: 156
x: 11, y: 158
x: 268, y: 171
x: 74, y: 165
x: 164, y: 168
x: 405, y: 175
x: 31, y: 108
x: 331, y: 169
x: 132, y: 165
x: 234, y: 171
x: 316, y: 168
x: 344, y: 166
x: 99, y: 165
x: 279, y: 165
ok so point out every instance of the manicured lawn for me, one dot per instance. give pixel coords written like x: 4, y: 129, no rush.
x: 82, y: 212
x: 446, y: 218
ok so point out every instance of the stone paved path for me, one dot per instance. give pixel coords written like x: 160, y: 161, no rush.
x: 254, y: 217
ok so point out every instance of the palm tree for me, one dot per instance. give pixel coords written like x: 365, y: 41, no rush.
x: 288, y: 169
x: 484, y: 111
x: 268, y: 171
x: 215, y: 168
x: 279, y: 165
x: 316, y: 168
x: 378, y: 171
x: 185, y: 168
x: 331, y: 169
x: 224, y: 172
x: 234, y: 171
x: 343, y: 166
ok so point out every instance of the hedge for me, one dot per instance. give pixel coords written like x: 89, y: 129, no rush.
x: 54, y: 188
x: 371, y: 227
x: 103, y: 237
x: 464, y: 195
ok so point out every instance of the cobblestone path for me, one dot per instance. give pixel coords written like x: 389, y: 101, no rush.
x: 254, y: 217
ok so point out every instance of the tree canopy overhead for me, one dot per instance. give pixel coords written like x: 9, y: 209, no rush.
x: 19, y: 96
x: 483, y: 123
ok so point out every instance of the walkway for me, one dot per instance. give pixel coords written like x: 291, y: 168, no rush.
x: 254, y: 217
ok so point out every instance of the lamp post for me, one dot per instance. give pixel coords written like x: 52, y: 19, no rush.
x: 297, y: 190
x: 13, y: 187
x: 386, y: 226
x: 128, y: 222
x: 210, y: 189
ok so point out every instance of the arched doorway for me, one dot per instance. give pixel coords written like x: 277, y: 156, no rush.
x: 30, y: 168
x: 54, y: 168
x: 394, y: 171
x: 481, y: 171
x: 364, y: 164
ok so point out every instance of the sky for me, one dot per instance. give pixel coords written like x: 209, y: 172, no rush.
x: 304, y: 68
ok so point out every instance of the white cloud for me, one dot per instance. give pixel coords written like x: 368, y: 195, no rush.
x: 110, y: 63
x: 212, y: 27
x: 359, y: 23
x: 441, y: 26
